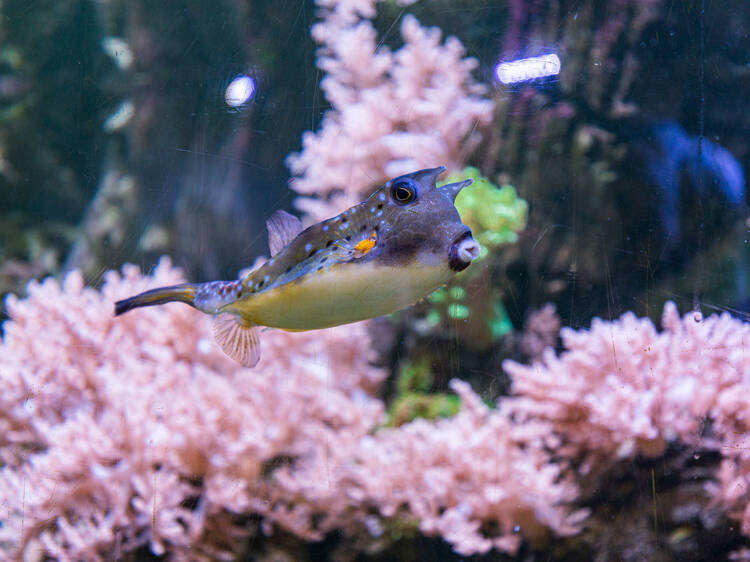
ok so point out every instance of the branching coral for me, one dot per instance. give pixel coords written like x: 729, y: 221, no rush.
x: 623, y: 388
x: 392, y: 112
x: 118, y: 434
x: 476, y: 479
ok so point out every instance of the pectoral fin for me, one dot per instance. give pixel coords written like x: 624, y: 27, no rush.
x: 238, y: 338
x: 282, y: 229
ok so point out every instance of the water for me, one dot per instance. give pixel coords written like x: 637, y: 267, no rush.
x: 608, y: 147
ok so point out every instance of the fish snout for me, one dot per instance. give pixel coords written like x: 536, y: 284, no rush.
x: 463, y: 251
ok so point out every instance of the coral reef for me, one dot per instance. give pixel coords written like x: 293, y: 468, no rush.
x: 634, y: 388
x: 631, y: 404
x: 477, y: 479
x: 391, y: 112
x: 117, y: 433
x: 138, y: 433
x: 120, y: 434
x: 136, y: 437
x: 623, y: 390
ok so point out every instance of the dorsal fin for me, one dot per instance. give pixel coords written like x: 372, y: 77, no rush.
x: 238, y: 338
x: 282, y: 229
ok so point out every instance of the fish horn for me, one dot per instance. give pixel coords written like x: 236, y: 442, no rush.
x: 450, y: 190
x: 176, y: 293
x: 426, y: 177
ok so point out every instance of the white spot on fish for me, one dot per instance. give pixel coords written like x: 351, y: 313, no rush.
x: 265, y: 279
x: 325, y: 228
x: 308, y: 247
x: 380, y: 213
x: 372, y: 209
x: 270, y: 262
x: 381, y: 196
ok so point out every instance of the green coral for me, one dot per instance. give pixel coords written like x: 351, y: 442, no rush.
x: 469, y: 304
x: 451, y: 298
x: 495, y: 215
x: 413, y: 399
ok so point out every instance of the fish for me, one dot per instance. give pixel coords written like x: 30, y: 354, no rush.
x: 375, y: 258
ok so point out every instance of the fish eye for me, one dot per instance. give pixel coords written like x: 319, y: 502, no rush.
x: 403, y: 192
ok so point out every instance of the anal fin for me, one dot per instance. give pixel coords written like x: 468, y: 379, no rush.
x: 238, y: 338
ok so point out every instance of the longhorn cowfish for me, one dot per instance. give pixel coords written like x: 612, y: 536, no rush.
x: 394, y: 248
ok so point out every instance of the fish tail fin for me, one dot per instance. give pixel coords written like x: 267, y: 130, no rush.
x: 176, y: 293
x: 238, y: 338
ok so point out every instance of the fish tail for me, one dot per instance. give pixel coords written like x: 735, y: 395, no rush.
x: 176, y: 293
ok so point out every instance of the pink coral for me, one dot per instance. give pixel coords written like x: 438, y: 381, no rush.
x: 111, y: 427
x: 623, y: 388
x: 120, y: 433
x: 476, y: 479
x: 392, y: 112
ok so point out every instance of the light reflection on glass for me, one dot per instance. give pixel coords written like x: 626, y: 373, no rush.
x: 527, y: 69
x: 240, y: 90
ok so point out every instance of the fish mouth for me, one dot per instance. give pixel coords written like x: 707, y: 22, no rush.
x: 463, y: 251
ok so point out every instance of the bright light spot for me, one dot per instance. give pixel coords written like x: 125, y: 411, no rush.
x: 240, y: 90
x: 119, y: 50
x: 120, y: 117
x: 527, y: 69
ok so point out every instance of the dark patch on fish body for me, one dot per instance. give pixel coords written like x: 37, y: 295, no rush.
x: 400, y: 250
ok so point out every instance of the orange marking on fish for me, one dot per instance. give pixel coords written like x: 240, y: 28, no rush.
x: 366, y: 245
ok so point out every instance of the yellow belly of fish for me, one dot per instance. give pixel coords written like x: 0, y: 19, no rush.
x: 341, y: 294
